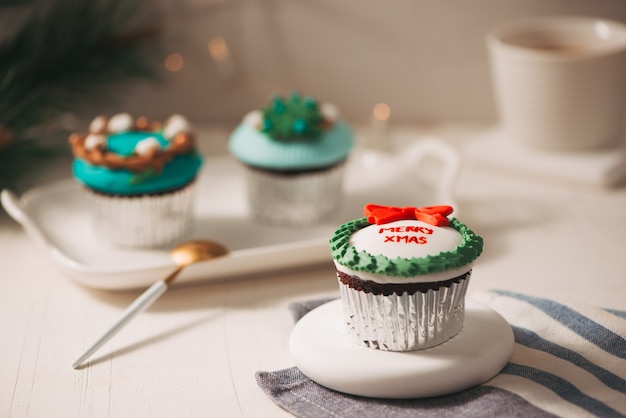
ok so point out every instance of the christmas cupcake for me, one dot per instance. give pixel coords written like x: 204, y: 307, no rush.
x: 140, y: 177
x: 294, y: 152
x: 403, y: 274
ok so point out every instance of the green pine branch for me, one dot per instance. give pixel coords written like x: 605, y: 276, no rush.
x: 66, y: 54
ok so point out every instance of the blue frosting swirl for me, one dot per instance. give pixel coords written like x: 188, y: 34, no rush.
x: 255, y: 148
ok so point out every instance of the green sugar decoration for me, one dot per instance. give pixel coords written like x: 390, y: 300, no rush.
x: 294, y: 118
x: 142, y: 176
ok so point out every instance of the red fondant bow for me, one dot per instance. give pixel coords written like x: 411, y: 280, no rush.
x: 434, y: 215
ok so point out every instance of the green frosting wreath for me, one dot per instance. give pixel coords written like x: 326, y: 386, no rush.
x: 344, y: 253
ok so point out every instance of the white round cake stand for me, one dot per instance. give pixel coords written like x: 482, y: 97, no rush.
x: 325, y: 353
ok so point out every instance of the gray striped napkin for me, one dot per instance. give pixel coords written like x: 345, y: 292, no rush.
x: 569, y: 360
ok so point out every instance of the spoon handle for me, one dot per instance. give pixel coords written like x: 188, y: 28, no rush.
x: 140, y: 304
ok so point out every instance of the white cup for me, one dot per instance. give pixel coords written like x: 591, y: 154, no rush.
x: 560, y: 82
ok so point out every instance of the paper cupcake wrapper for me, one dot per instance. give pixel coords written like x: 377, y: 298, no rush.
x: 404, y: 322
x: 298, y: 199
x: 146, y: 221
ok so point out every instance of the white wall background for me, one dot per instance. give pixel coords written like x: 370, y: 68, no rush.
x: 426, y: 59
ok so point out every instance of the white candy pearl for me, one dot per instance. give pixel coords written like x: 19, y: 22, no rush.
x: 254, y: 119
x: 330, y: 111
x: 147, y: 146
x: 175, y: 125
x: 98, y: 125
x: 94, y: 141
x: 122, y: 122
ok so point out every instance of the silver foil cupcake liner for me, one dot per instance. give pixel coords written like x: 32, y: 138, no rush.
x: 404, y: 322
x: 146, y: 221
x: 298, y: 199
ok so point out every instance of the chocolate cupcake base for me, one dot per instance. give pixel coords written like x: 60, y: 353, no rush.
x: 387, y: 317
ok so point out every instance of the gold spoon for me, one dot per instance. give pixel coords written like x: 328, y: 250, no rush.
x: 183, y: 255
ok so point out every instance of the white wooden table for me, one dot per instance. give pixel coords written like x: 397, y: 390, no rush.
x: 195, y: 352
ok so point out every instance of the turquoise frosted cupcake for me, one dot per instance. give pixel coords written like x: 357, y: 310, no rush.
x: 294, y: 152
x: 140, y: 176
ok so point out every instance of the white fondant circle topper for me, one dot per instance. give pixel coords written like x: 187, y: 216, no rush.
x: 321, y: 348
x: 405, y: 239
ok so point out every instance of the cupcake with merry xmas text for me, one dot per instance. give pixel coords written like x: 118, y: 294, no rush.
x: 403, y: 275
x: 140, y: 178
x: 294, y: 152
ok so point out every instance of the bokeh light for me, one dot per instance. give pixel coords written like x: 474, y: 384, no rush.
x: 218, y: 48
x: 174, y: 62
x: 381, y: 111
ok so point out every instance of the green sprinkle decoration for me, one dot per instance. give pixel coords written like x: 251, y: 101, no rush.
x: 293, y: 119
x: 142, y: 176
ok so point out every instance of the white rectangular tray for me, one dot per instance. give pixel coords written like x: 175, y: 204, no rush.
x: 56, y: 217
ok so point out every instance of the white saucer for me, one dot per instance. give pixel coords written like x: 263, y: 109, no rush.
x: 325, y: 353
x: 603, y: 167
